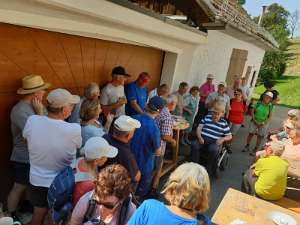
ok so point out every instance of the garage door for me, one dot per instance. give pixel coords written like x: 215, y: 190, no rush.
x: 64, y: 60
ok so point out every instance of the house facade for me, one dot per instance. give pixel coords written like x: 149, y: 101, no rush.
x: 74, y: 42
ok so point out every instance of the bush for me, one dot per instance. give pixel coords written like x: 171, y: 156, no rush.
x: 273, y: 66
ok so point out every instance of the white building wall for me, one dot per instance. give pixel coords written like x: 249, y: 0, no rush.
x: 215, y: 57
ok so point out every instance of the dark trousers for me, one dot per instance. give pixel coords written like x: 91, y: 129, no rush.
x: 202, y: 112
x: 208, y: 151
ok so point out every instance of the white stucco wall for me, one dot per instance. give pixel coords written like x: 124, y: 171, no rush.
x: 215, y: 57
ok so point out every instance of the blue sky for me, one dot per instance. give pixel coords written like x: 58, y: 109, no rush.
x: 254, y: 7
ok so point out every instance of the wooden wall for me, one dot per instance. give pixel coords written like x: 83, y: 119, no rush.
x: 66, y: 61
x: 236, y: 67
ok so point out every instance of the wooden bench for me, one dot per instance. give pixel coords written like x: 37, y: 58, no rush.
x: 289, y: 204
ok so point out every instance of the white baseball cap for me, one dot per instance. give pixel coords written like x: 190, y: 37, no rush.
x: 126, y: 123
x: 210, y: 76
x: 222, y: 83
x: 61, y: 97
x: 269, y: 93
x: 98, y: 147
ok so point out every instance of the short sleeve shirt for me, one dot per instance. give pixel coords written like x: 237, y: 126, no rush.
x: 18, y: 116
x: 52, y: 146
x: 180, y: 102
x: 124, y: 156
x: 165, y: 124
x: 214, y: 130
x: 153, y: 212
x: 134, y: 92
x: 262, y: 111
x: 110, y: 94
x: 145, y: 141
x: 206, y: 89
x: 272, y: 177
x: 223, y: 99
x: 89, y: 131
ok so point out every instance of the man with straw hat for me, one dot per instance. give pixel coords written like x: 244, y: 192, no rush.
x: 32, y: 91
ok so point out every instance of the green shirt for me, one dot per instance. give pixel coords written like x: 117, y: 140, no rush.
x: 272, y: 177
x: 262, y: 111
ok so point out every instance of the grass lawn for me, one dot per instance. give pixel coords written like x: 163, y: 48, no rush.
x: 288, y: 88
x: 293, y: 64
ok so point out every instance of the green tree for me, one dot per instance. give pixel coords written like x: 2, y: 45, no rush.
x: 275, y: 20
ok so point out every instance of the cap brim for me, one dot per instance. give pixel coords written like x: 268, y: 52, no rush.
x: 75, y: 99
x: 22, y: 91
x: 112, y: 152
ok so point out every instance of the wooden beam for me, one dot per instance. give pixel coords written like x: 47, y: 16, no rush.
x: 218, y: 25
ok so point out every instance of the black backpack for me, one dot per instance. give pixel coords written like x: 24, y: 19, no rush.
x: 89, y: 213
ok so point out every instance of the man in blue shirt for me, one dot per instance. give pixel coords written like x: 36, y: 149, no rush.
x: 145, y: 144
x: 137, y: 95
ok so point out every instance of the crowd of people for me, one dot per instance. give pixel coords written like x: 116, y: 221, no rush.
x: 114, y: 141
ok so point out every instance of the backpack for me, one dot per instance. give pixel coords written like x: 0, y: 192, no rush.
x: 60, y: 194
x: 92, y: 204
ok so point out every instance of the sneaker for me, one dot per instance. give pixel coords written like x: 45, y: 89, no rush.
x: 246, y: 148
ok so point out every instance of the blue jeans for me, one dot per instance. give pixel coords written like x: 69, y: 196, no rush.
x: 209, y: 151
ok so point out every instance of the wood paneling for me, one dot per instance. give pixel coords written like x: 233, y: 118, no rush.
x: 66, y: 61
x: 236, y: 66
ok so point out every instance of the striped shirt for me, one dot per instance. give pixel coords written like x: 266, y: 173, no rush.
x: 214, y: 130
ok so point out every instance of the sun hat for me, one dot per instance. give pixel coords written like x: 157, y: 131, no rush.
x: 210, y: 76
x: 156, y: 103
x: 31, y: 84
x: 294, y: 112
x: 98, y: 147
x: 269, y: 93
x: 61, y: 97
x: 126, y: 123
x: 119, y: 70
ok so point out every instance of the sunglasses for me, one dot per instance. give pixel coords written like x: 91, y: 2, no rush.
x: 107, y: 205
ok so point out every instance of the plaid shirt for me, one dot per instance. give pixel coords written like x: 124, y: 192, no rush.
x: 165, y: 124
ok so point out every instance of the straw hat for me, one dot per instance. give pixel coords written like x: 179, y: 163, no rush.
x: 31, y: 84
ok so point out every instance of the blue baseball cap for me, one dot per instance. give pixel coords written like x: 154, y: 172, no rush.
x: 156, y: 104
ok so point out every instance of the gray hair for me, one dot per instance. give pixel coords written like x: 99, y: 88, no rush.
x: 171, y: 99
x: 90, y: 89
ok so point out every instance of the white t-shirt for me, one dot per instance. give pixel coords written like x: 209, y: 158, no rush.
x: 52, y: 146
x: 111, y: 94
x: 152, y: 94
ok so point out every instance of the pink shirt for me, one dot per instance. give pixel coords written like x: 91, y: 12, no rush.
x: 205, y: 90
x: 291, y: 152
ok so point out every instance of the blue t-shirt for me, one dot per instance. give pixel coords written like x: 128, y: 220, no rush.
x: 134, y: 92
x: 153, y: 212
x: 145, y: 141
x: 89, y: 131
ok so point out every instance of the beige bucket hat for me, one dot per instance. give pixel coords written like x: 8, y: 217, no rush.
x: 31, y: 84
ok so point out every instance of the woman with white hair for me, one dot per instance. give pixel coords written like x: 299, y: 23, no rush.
x: 186, y: 193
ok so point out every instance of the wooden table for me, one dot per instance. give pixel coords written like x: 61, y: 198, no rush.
x: 171, y: 164
x: 254, y: 211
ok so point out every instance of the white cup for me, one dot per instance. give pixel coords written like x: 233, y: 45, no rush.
x: 8, y: 221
